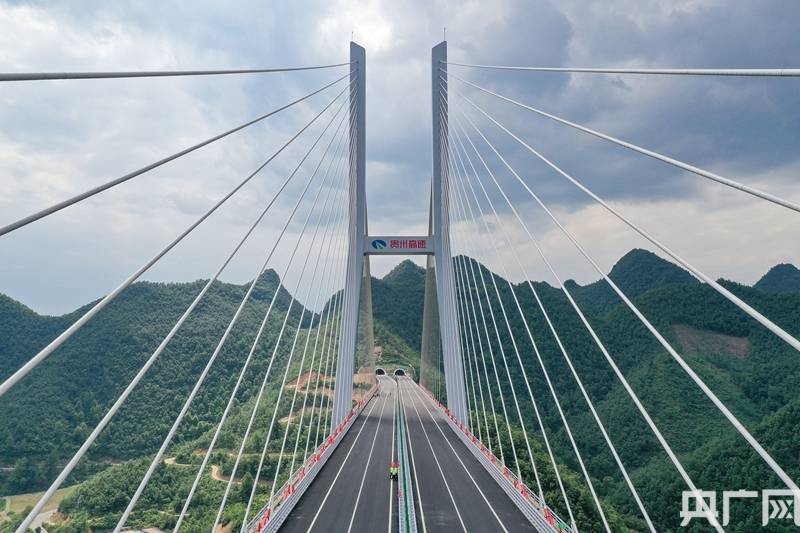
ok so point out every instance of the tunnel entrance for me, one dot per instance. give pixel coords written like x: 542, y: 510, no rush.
x: 380, y: 372
x: 399, y: 372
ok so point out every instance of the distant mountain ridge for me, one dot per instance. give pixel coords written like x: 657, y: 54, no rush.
x: 757, y: 376
x: 397, y: 301
x: 780, y: 278
x: 636, y: 272
x: 53, y: 408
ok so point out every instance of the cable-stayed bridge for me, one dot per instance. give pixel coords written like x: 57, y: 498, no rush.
x: 466, y: 436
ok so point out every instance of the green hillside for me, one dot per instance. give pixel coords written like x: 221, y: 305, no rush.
x: 50, y: 412
x: 780, y: 278
x: 397, y: 302
x: 755, y: 374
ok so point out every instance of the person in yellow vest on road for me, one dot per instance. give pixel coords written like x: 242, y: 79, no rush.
x: 393, y: 470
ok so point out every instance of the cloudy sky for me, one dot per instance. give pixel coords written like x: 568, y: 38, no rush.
x: 60, y: 138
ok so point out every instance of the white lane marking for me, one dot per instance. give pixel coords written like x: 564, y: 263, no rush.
x: 352, y: 447
x: 369, y: 460
x: 411, y: 457
x: 439, y: 466
x: 391, y: 481
x: 416, y: 391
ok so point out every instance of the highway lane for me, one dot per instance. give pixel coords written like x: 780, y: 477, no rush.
x: 353, y: 491
x: 454, y: 492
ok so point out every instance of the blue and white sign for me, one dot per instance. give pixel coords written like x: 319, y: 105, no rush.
x: 405, y: 245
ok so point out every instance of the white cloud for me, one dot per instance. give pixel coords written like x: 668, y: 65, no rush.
x: 721, y: 232
x: 58, y: 138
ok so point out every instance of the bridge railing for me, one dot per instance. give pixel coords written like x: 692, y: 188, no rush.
x: 477, y: 167
x: 273, y: 514
x: 538, y: 512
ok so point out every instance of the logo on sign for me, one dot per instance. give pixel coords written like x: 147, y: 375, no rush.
x: 379, y: 244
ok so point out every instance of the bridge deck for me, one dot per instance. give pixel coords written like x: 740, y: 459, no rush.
x: 455, y: 491
x: 353, y: 491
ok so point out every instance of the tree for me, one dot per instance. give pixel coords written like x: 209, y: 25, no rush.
x: 246, y: 487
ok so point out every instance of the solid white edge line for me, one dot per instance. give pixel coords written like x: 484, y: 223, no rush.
x: 450, y: 444
x: 369, y: 461
x: 439, y: 466
x: 338, y: 473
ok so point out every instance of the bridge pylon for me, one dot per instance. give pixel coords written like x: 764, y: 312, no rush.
x: 436, y: 245
x: 440, y: 232
x: 357, y: 229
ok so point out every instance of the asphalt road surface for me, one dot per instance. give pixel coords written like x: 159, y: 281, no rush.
x: 353, y: 492
x: 453, y: 491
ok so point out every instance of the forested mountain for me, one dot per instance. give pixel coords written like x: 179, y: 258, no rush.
x: 397, y: 301
x: 780, y: 278
x: 52, y: 410
x: 754, y: 373
x: 637, y: 272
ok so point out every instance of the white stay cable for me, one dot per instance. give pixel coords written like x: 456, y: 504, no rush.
x: 201, y: 379
x: 96, y: 190
x: 34, y: 76
x: 675, y: 461
x: 466, y: 363
x: 330, y: 308
x: 468, y: 341
x: 474, y: 326
x: 547, y: 446
x: 333, y: 317
x: 246, y: 365
x: 464, y: 201
x: 468, y: 321
x: 285, y: 373
x: 487, y: 338
x: 469, y: 373
x: 283, y: 384
x: 321, y: 367
x: 318, y: 349
x: 336, y: 337
x: 768, y: 72
x: 271, y: 359
x: 467, y: 293
x: 497, y: 337
x: 466, y: 324
x: 546, y: 315
x: 151, y: 360
x: 336, y: 333
x: 465, y: 372
x: 96, y: 308
x: 326, y: 287
x: 325, y: 238
x: 331, y: 355
x: 494, y: 366
x: 700, y: 383
x: 450, y: 330
x: 333, y: 349
x: 767, y: 323
x: 644, y: 151
x: 568, y: 429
